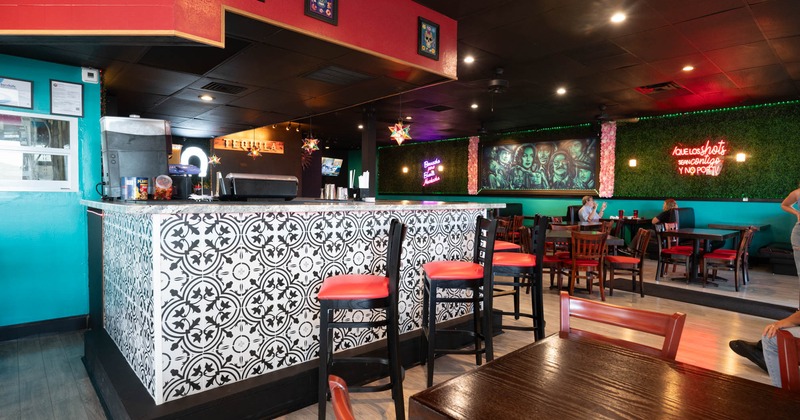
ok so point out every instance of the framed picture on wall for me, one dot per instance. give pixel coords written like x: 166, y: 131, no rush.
x: 16, y: 92
x: 563, y: 167
x: 66, y: 98
x: 428, y: 40
x: 324, y: 10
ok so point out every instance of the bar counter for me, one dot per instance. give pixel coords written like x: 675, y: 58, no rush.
x: 201, y: 295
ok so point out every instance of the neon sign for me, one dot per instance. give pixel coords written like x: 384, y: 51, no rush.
x: 429, y: 174
x: 701, y: 160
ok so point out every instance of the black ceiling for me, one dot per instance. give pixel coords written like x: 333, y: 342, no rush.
x: 743, y: 52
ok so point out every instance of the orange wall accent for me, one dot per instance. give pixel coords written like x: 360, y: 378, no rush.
x: 384, y: 28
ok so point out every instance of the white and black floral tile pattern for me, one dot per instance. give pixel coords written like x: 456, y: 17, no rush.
x: 128, y: 273
x: 237, y: 292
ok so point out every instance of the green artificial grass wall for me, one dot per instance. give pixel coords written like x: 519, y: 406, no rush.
x: 452, y: 154
x: 767, y: 134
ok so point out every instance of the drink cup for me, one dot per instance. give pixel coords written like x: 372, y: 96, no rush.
x: 621, y: 213
x: 636, y: 214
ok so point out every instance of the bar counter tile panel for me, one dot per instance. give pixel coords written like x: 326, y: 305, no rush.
x: 128, y: 284
x: 237, y: 291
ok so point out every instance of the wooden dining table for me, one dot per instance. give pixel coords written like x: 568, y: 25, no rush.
x: 567, y: 377
x: 696, y: 235
x: 565, y: 236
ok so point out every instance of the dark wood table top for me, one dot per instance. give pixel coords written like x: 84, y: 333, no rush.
x: 566, y: 235
x: 630, y: 220
x: 703, y: 233
x: 579, y: 378
x: 739, y: 226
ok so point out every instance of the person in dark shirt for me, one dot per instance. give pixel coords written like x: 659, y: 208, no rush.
x: 667, y: 216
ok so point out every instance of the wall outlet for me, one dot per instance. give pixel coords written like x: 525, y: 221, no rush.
x: 90, y: 75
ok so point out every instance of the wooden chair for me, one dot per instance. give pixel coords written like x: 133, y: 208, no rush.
x: 512, y: 235
x: 669, y: 252
x: 340, y: 398
x: 557, y: 254
x: 607, y: 226
x: 631, y: 261
x: 669, y: 326
x: 788, y: 358
x: 735, y: 262
x: 746, y: 258
x: 503, y: 225
x: 588, y: 250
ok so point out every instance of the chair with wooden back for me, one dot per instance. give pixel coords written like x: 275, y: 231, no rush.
x: 631, y: 261
x: 669, y: 252
x: 714, y: 261
x: 588, y: 250
x: 340, y: 398
x: 788, y: 358
x: 669, y: 326
x: 512, y: 235
x: 557, y: 254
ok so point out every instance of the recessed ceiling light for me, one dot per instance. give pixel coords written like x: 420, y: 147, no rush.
x: 618, y: 17
x: 206, y: 98
x: 361, y: 126
x: 327, y: 147
x: 688, y: 68
x: 469, y: 59
x: 474, y: 106
x: 409, y: 118
x: 561, y: 91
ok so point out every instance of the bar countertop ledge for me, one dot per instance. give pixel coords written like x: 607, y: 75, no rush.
x: 209, y: 308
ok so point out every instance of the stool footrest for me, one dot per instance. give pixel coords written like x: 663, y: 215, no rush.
x: 383, y: 372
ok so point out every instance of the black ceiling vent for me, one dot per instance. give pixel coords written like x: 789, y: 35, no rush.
x: 224, y: 88
x: 439, y: 108
x: 658, y: 88
x: 337, y: 76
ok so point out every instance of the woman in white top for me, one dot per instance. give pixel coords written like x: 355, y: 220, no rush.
x: 588, y: 212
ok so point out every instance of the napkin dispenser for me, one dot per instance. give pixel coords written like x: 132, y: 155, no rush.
x: 244, y: 187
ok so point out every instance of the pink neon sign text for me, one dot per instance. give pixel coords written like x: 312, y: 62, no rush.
x: 701, y: 160
x: 429, y: 175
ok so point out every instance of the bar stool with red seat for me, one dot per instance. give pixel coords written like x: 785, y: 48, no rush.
x: 525, y: 271
x: 358, y: 292
x: 475, y: 276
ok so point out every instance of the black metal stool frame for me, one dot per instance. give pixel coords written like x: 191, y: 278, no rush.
x: 328, y: 308
x: 483, y: 252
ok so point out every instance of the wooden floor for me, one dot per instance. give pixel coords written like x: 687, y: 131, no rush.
x: 42, y: 377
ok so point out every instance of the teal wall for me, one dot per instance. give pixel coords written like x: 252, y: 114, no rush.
x: 732, y: 212
x: 43, y: 253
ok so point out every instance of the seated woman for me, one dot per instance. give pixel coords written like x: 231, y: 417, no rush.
x: 588, y: 212
x: 667, y: 216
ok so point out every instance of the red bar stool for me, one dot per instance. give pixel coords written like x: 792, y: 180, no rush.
x: 476, y: 276
x: 357, y: 292
x: 525, y: 271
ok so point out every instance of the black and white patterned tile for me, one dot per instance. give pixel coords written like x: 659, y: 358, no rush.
x: 237, y: 291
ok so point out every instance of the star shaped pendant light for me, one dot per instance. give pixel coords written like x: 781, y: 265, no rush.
x: 253, y: 152
x: 214, y: 160
x: 310, y: 144
x: 400, y: 132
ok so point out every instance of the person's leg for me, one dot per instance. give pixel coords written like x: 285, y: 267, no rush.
x: 796, y: 251
x: 771, y: 355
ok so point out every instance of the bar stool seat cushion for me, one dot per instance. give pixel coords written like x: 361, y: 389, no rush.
x: 512, y: 259
x: 621, y: 259
x: 505, y: 246
x: 552, y: 259
x: 563, y: 255
x: 453, y: 270
x: 354, y: 286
